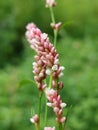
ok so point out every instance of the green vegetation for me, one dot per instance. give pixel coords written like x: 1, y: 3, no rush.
x: 78, y: 48
x: 80, y: 87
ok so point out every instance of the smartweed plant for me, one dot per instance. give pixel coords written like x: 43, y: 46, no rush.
x: 47, y: 65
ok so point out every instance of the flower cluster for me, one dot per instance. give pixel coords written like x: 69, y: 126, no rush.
x: 56, y: 103
x: 47, y: 58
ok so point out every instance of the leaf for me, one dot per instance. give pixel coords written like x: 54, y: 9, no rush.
x: 67, y: 24
x: 67, y: 116
x: 26, y: 81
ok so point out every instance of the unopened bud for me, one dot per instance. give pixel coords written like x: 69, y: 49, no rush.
x: 56, y: 109
x: 50, y: 3
x: 56, y: 26
x: 34, y: 119
x: 49, y: 104
x: 61, y: 85
x: 63, y: 105
x: 54, y: 83
x: 62, y: 120
x: 48, y: 71
x: 54, y: 67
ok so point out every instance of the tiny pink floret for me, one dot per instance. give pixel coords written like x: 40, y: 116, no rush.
x: 34, y: 119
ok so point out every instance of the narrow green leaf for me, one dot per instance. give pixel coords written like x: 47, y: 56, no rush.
x: 67, y: 116
x: 26, y: 81
x: 66, y: 24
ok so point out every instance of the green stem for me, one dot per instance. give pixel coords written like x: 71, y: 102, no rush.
x: 36, y: 126
x: 55, y: 37
x: 46, y: 113
x: 60, y: 126
x: 53, y: 21
x: 39, y: 111
x: 52, y: 15
x: 50, y: 81
x: 46, y: 108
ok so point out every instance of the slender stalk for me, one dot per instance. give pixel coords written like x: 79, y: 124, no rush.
x: 36, y: 127
x: 55, y: 37
x: 50, y: 81
x: 39, y: 110
x: 46, y: 108
x: 60, y: 126
x: 52, y: 15
x: 53, y: 21
x: 46, y: 113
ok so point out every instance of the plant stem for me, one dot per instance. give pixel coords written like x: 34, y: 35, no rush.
x: 60, y: 126
x: 52, y: 15
x: 50, y: 81
x: 36, y: 126
x: 55, y: 37
x: 46, y: 112
x: 53, y: 21
x: 39, y: 111
x: 46, y: 108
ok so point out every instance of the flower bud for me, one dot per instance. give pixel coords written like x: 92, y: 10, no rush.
x: 48, y: 71
x: 62, y: 120
x: 56, y: 26
x: 50, y: 3
x: 60, y: 84
x: 49, y: 104
x: 54, y: 67
x: 34, y: 119
x: 63, y: 105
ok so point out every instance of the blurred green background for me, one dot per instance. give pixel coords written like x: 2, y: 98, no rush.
x: 78, y: 49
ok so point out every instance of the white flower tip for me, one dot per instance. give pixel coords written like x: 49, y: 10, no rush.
x: 54, y: 67
x: 48, y: 71
x: 49, y: 104
x: 34, y: 63
x: 32, y: 120
x: 62, y: 68
x: 44, y: 36
x: 61, y: 74
x: 63, y: 105
x: 49, y: 128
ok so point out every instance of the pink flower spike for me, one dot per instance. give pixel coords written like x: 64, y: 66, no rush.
x: 47, y: 58
x: 49, y: 128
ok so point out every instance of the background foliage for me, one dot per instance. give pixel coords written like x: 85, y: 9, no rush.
x: 78, y: 48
